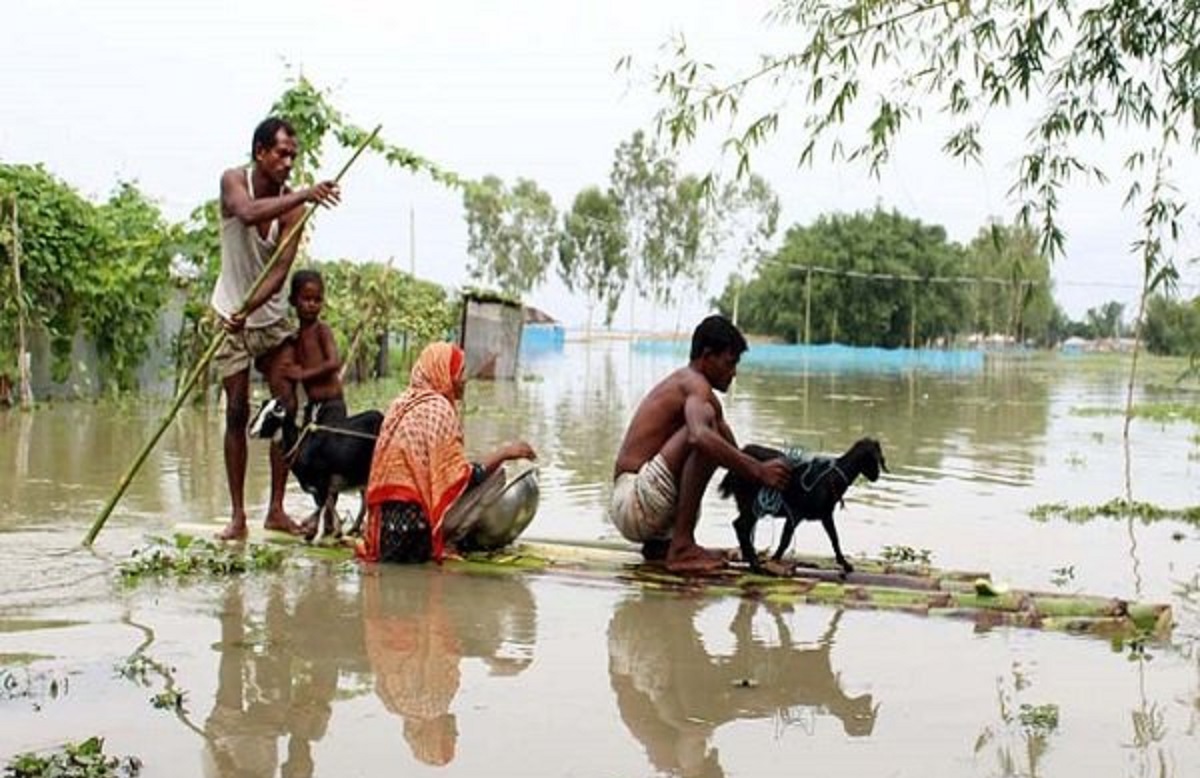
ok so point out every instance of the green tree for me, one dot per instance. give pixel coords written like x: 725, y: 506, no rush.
x: 643, y: 181
x: 59, y: 234
x: 127, y: 282
x: 1014, y: 293
x: 512, y: 236
x: 690, y: 220
x: 749, y: 218
x: 1173, y: 326
x: 869, y: 275
x: 591, y: 252
x: 1105, y: 321
x: 198, y: 263
x: 367, y: 301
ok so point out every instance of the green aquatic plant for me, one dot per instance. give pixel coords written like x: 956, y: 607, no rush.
x: 1163, y: 413
x: 169, y: 699
x: 1117, y: 508
x: 185, y: 556
x: 1063, y: 575
x: 85, y: 759
x: 906, y: 555
x: 1038, y: 720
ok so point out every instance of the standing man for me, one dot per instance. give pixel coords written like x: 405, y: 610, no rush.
x: 675, y: 442
x: 257, y: 211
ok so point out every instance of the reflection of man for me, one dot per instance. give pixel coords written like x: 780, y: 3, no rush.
x: 414, y: 643
x: 659, y: 671
x: 251, y: 700
x: 673, y: 696
x: 284, y: 691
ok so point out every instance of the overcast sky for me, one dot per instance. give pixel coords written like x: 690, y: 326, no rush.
x: 167, y: 94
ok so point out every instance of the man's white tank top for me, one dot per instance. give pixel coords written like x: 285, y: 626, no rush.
x: 244, y: 254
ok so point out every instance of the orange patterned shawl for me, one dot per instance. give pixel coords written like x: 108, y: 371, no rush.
x: 419, y: 455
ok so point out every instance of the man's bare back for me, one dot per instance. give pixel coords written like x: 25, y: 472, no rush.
x: 659, y: 416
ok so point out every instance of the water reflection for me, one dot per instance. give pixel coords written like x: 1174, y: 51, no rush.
x: 401, y: 634
x: 272, y: 685
x: 673, y: 694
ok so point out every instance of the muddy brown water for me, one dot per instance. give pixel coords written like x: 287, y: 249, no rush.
x: 327, y: 670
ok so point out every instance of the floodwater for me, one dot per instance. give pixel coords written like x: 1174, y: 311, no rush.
x: 327, y: 670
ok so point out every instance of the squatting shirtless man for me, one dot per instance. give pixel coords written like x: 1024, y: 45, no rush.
x: 675, y: 442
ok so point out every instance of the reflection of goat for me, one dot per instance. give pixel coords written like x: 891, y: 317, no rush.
x: 814, y: 490
x: 792, y: 676
x: 326, y: 459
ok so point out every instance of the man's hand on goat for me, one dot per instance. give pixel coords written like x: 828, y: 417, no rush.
x: 775, y: 473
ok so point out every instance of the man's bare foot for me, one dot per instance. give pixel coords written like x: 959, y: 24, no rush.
x: 281, y: 522
x: 694, y: 559
x: 234, y: 530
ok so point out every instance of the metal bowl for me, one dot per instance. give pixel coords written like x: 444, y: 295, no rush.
x: 504, y: 511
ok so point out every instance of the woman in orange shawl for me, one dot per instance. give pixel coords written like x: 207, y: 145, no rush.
x: 420, y: 465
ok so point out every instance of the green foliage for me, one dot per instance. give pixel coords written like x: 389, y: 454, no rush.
x: 85, y: 759
x: 1016, y: 297
x: 512, y: 235
x: 1162, y: 413
x: 1038, y: 720
x: 1089, y: 68
x: 127, y: 282
x: 365, y: 300
x: 648, y: 196
x: 591, y: 254
x: 168, y: 699
x: 310, y: 112
x: 100, y: 270
x: 199, y: 264
x: 185, y: 556
x: 59, y: 236
x: 749, y: 218
x: 906, y: 555
x: 1117, y: 508
x: 846, y: 306
x: 1173, y: 326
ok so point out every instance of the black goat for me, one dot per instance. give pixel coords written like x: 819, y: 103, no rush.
x: 326, y: 459
x: 814, y: 490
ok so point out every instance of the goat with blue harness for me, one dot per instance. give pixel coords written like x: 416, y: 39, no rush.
x: 816, y: 486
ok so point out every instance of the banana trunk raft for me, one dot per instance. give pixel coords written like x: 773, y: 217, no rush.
x: 875, y: 584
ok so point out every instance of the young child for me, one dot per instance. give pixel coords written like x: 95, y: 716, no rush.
x: 314, y: 352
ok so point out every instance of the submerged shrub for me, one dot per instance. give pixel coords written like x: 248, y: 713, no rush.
x: 74, y: 760
x: 185, y: 556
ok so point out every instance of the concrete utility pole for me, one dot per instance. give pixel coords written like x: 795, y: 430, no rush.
x: 412, y: 242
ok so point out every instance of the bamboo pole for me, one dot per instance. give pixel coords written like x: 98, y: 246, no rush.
x: 22, y: 349
x: 206, y: 357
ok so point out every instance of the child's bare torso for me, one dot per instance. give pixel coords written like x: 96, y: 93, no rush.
x: 310, y: 352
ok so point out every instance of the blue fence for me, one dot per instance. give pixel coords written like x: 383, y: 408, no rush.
x: 541, y: 339
x: 835, y: 358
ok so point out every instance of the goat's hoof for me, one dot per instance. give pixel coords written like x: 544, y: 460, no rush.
x: 778, y: 569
